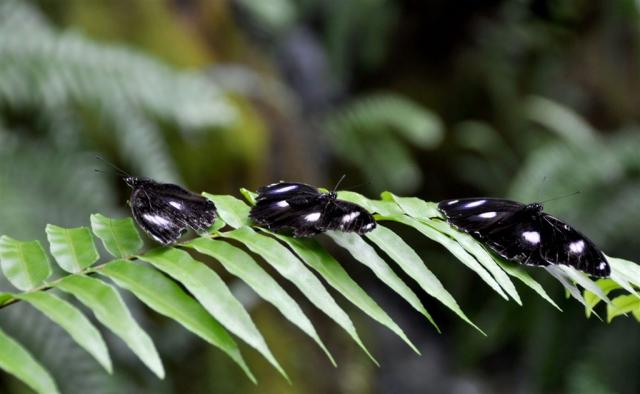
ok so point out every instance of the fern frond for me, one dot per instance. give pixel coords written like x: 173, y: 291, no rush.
x: 43, y: 67
x: 213, y: 313
x: 71, y: 83
x: 371, y: 132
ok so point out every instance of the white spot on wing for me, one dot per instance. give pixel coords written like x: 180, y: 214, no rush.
x: 350, y: 216
x: 312, y: 217
x: 531, y: 237
x: 284, y: 189
x: 475, y: 204
x: 452, y: 202
x: 488, y: 215
x: 282, y: 204
x: 159, y: 220
x: 175, y: 204
x: 368, y: 226
x: 576, y: 247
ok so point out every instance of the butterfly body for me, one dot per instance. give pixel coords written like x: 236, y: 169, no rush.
x: 165, y: 211
x: 307, y: 211
x: 525, y: 234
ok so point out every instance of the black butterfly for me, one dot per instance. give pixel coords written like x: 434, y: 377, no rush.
x: 164, y: 210
x: 307, y: 211
x: 525, y: 234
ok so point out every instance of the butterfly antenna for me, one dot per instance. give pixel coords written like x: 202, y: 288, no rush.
x: 339, y: 182
x: 544, y: 180
x: 560, y: 197
x: 359, y: 185
x: 119, y: 170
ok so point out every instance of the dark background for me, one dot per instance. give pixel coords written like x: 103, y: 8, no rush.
x: 438, y: 99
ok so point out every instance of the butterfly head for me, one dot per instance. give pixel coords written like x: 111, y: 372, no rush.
x: 534, y: 207
x: 333, y: 194
x: 134, y: 181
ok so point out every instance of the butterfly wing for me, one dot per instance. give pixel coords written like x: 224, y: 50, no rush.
x: 183, y: 206
x: 164, y: 211
x: 285, y: 190
x: 565, y: 245
x: 478, y: 216
x: 286, y: 209
x: 346, y: 216
x: 160, y: 224
x: 525, y: 235
x: 521, y: 240
x: 307, y: 211
x: 504, y: 226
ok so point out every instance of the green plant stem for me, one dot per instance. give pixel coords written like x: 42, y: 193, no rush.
x: 48, y: 286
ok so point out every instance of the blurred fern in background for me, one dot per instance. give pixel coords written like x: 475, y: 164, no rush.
x: 84, y: 94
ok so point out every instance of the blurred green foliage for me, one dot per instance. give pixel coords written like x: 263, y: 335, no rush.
x: 534, y: 99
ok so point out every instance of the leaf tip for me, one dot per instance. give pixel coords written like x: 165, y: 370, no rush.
x: 418, y: 352
x: 158, y: 370
x: 331, y: 359
x: 433, y: 322
x: 106, y: 364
